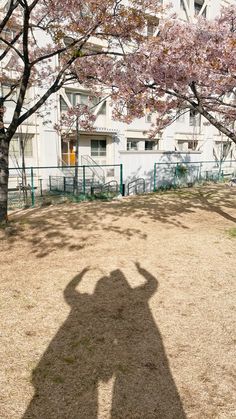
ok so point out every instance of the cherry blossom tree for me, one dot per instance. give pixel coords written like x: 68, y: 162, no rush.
x: 187, y: 65
x: 50, y: 43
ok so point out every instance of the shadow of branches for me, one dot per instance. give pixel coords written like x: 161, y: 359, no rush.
x: 76, y: 226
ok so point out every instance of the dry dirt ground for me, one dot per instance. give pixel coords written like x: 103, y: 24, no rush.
x: 122, y: 309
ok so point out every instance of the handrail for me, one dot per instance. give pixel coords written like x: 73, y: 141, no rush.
x: 108, y: 186
x: 66, y: 166
x: 94, y: 167
x: 135, y: 183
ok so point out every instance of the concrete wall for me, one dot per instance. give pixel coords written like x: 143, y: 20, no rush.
x: 137, y: 164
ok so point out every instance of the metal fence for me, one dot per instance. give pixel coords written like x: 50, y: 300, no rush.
x: 45, y: 185
x: 184, y: 174
x: 136, y: 187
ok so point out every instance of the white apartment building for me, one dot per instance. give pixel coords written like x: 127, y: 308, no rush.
x: 112, y: 142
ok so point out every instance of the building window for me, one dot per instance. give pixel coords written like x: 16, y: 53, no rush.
x: 151, y: 145
x: 63, y: 105
x: 76, y: 98
x: 150, y: 29
x: 83, y: 99
x: 98, y: 148
x: 226, y: 149
x: 148, y: 117
x: 198, y: 4
x: 73, y: 97
x: 192, y: 145
x: 184, y: 145
x: 152, y: 25
x: 132, y: 144
x: 16, y: 149
x: 194, y: 118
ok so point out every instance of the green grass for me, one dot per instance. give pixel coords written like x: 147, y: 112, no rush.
x: 58, y: 379
x: 69, y: 360
x: 232, y: 232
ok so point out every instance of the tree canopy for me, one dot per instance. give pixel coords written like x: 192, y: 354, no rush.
x: 186, y: 65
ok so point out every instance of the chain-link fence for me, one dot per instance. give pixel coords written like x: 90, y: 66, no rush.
x: 183, y: 174
x: 45, y: 185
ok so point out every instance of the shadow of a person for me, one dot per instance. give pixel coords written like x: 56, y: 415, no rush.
x: 108, y: 334
x: 144, y: 387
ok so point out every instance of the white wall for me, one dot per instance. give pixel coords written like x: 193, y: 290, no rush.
x: 138, y: 164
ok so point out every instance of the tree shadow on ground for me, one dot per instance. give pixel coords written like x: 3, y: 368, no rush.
x: 110, y: 333
x: 57, y: 227
x: 212, y: 203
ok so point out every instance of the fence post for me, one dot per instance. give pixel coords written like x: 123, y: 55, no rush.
x: 220, y: 170
x: 121, y: 179
x: 84, y: 181
x: 32, y: 186
x: 50, y: 182
x: 200, y: 172
x: 41, y: 186
x: 155, y: 176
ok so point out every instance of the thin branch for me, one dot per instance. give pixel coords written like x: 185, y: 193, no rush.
x: 5, y: 52
x: 13, y: 5
x: 10, y: 46
x: 12, y: 88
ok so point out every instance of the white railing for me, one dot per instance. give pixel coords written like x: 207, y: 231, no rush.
x: 95, y: 168
x: 64, y: 165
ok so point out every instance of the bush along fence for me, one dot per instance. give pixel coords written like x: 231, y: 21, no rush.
x: 45, y: 185
x: 169, y: 175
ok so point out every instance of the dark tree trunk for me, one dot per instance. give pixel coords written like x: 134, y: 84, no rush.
x: 23, y: 170
x: 76, y: 156
x: 222, y: 128
x: 4, y: 175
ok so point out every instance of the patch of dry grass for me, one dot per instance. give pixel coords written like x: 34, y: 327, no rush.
x: 122, y: 309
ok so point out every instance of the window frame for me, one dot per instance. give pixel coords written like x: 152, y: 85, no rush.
x: 198, y: 5
x: 131, y: 141
x: 154, y: 145
x: 100, y: 150
x: 28, y: 153
x: 195, y: 118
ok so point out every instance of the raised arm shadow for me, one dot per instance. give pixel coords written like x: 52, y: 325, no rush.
x: 70, y: 292
x: 151, y: 285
